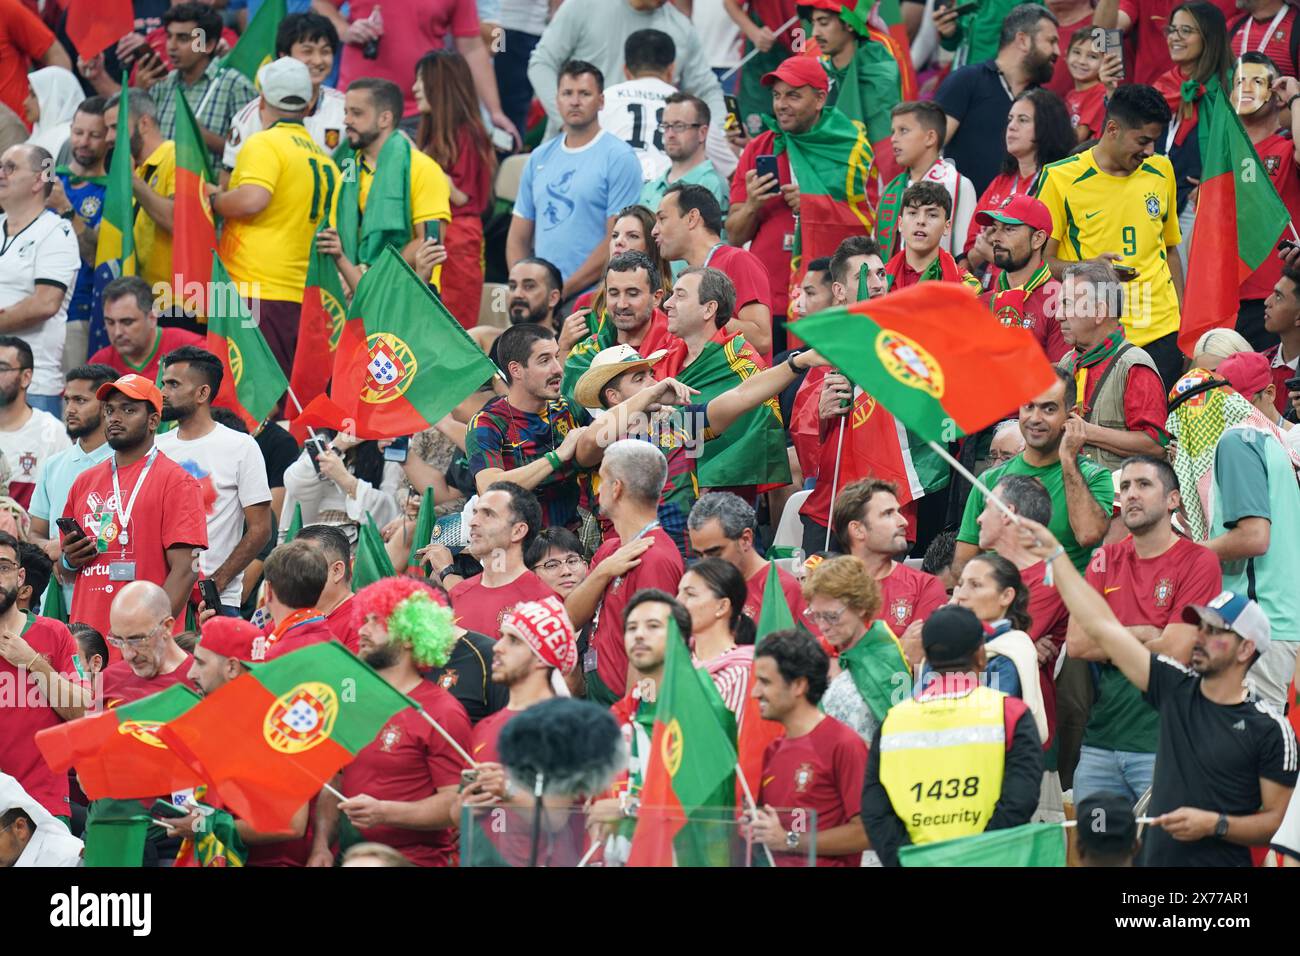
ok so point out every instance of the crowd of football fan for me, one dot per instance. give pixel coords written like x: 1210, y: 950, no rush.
x: 613, y: 210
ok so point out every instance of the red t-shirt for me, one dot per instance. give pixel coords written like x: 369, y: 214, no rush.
x: 1155, y: 590
x: 1035, y: 311
x: 748, y: 276
x: 312, y: 631
x: 168, y: 340
x: 820, y: 771
x: 409, y: 761
x: 480, y: 608
x: 1087, y: 107
x: 806, y: 424
x: 483, y: 740
x: 122, y: 686
x: 789, y: 586
x: 1281, y: 372
x: 774, y: 238
x: 1278, y: 153
x: 1146, y: 407
x: 471, y: 175
x: 23, y: 41
x: 18, y: 754
x: 1062, y: 82
x: 342, y: 622
x: 908, y: 595
x: 1248, y: 33
x: 168, y: 512
x: 661, y: 567
x: 1048, y: 617
x: 1150, y: 51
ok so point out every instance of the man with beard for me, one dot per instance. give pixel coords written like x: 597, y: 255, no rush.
x: 140, y: 515
x: 227, y: 464
x: 528, y: 436
x: 1024, y: 295
x: 977, y: 98
x: 401, y: 788
x: 135, y: 342
x: 85, y: 426
x: 28, y: 436
x: 535, y: 286
x: 78, y: 197
x: 1147, y: 579
x: 295, y: 575
x: 34, y: 653
x: 1225, y: 762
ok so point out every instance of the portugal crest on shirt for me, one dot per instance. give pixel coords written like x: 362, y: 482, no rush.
x: 908, y: 362
x: 389, y: 738
x: 390, y: 371
x: 803, y: 777
x: 900, y: 609
x: 302, y: 718
x: 1164, y: 592
x: 1271, y: 163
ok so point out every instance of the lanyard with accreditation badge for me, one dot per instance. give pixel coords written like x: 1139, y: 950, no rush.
x: 124, y: 570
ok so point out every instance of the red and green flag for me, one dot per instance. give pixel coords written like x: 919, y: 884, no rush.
x: 1239, y: 220
x: 118, y: 753
x: 253, y: 383
x: 402, y: 361
x: 256, y: 47
x: 268, y: 740
x: 54, y: 605
x: 324, y: 311
x: 903, y: 348
x: 689, y: 784
x: 372, y: 561
x: 195, y: 234
x: 423, y: 533
x: 95, y: 25
x: 753, y: 732
x: 295, y: 523
x: 1032, y: 844
x: 115, y: 248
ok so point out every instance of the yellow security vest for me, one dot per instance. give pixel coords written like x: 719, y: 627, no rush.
x: 941, y: 762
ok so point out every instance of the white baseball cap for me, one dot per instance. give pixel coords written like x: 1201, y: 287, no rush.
x: 285, y: 84
x: 1236, y: 613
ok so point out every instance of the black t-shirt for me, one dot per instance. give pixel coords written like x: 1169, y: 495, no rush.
x: 279, y: 451
x: 1211, y: 756
x: 467, y: 676
x: 976, y: 97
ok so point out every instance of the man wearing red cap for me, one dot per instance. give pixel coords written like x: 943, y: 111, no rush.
x: 140, y: 515
x: 1024, y: 294
x: 1251, y: 375
x: 1121, y: 400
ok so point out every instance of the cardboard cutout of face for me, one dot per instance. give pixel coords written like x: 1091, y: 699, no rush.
x: 1251, y: 88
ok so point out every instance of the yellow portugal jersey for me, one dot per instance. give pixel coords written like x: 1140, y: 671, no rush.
x: 1134, y: 216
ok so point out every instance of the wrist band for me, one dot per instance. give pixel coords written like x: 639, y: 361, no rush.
x: 789, y: 361
x: 554, y: 459
x: 1048, y: 578
x: 63, y: 559
x: 1292, y: 100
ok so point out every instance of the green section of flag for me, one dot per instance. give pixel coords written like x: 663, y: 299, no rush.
x: 115, y: 248
x: 372, y: 561
x: 423, y: 532
x: 295, y: 523
x: 775, y: 614
x: 115, y: 833
x: 191, y: 152
x: 258, y: 381
x: 878, y: 669
x: 55, y: 607
x: 1034, y: 844
x: 257, y: 44
x: 387, y: 219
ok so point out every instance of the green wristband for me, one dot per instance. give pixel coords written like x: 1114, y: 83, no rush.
x: 554, y: 459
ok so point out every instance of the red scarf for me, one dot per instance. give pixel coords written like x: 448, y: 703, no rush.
x: 1178, y: 92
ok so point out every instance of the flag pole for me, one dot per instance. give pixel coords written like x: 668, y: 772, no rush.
x: 835, y: 476
x: 294, y: 398
x: 470, y: 761
x: 962, y: 470
x: 754, y: 52
x: 749, y: 798
x: 328, y: 789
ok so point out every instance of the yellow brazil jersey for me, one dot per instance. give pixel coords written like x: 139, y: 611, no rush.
x: 1135, y: 216
x: 153, y: 245
x: 269, y: 252
x: 430, y: 195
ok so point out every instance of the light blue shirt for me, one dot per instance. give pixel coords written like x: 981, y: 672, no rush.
x: 54, y: 478
x: 569, y: 194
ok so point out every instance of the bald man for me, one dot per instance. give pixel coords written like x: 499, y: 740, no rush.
x: 140, y: 627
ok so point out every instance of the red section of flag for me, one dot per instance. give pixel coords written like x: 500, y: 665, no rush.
x: 227, y: 397
x: 195, y: 236
x: 1214, y: 270
x: 753, y: 735
x: 95, y: 25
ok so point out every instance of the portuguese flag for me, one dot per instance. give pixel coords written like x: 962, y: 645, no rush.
x: 253, y: 383
x: 372, y: 561
x: 754, y: 733
x: 688, y: 788
x: 195, y: 235
x: 1032, y: 844
x: 423, y: 532
x: 118, y: 753
x: 1239, y: 220
x: 95, y: 25
x: 902, y: 349
x: 295, y: 523
x: 256, y: 47
x: 324, y: 310
x: 266, y: 741
x: 115, y: 248
x: 402, y: 361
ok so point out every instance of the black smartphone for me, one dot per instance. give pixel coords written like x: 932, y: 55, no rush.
x: 165, y: 808
x: 1125, y: 273
x: 433, y: 230
x: 70, y: 526
x: 733, y: 111
x: 1286, y: 245
x: 314, y: 448
x: 211, y: 596
x: 397, y: 451
x: 766, y: 165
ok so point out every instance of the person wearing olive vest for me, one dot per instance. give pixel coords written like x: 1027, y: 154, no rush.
x: 1121, y: 397
x: 957, y: 758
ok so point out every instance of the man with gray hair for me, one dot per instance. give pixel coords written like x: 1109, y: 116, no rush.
x: 38, y: 271
x: 722, y: 525
x: 1121, y: 399
x: 638, y: 555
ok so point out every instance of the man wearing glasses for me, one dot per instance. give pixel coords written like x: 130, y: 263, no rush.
x: 141, y: 632
x: 685, y: 130
x: 139, y: 515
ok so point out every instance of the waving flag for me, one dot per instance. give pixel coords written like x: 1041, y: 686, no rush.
x: 195, y: 234
x: 256, y: 47
x: 754, y: 733
x: 115, y: 248
x: 253, y: 383
x: 324, y: 310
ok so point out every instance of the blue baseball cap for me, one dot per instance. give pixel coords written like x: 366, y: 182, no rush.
x: 1233, y: 612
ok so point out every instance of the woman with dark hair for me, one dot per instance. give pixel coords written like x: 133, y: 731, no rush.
x: 1038, y: 133
x: 452, y: 132
x: 353, y: 481
x: 722, y: 635
x: 991, y: 587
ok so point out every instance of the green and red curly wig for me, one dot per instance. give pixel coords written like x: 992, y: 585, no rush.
x: 414, y: 614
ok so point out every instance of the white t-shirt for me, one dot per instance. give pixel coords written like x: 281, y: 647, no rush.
x: 28, y: 448
x: 719, y: 35
x: 230, y: 469
x: 632, y: 113
x: 46, y: 253
x: 324, y: 123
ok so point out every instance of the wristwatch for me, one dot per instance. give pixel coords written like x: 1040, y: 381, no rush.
x: 791, y: 840
x: 1221, y: 828
x: 789, y: 360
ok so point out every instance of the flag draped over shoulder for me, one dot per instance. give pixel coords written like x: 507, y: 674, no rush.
x: 753, y: 733
x: 266, y: 741
x: 901, y: 348
x: 115, y: 248
x: 1239, y: 220
x: 402, y: 361
x: 878, y: 668
x: 688, y: 786
x: 388, y: 203
x: 1033, y: 844
x: 752, y: 451
x: 256, y: 47
x: 253, y: 383
x: 195, y: 234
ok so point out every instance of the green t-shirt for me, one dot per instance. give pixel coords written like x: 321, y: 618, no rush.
x: 1120, y: 719
x: 1253, y: 478
x: 1099, y: 483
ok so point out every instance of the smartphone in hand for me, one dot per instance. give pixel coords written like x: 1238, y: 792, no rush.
x: 766, y: 165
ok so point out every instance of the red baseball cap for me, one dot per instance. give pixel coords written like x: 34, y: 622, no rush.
x: 1248, y: 372
x: 133, y: 386
x: 233, y: 637
x: 799, y: 71
x: 1018, y: 211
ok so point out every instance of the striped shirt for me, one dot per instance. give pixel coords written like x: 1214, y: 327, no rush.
x: 730, y: 673
x: 215, y: 98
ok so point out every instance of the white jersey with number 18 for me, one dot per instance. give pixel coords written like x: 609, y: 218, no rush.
x: 633, y: 111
